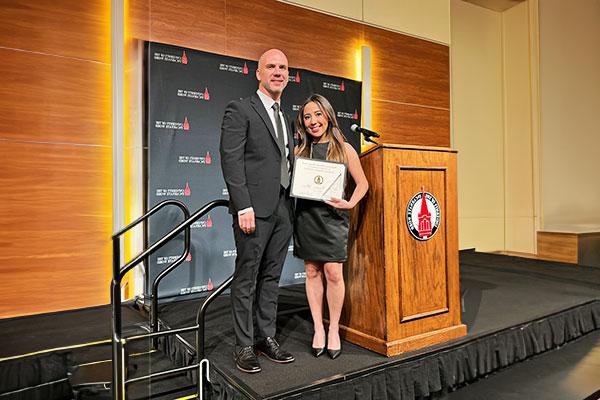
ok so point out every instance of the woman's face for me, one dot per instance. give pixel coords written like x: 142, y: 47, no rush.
x: 315, y: 121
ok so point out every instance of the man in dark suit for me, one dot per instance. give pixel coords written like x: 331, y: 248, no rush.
x: 256, y: 158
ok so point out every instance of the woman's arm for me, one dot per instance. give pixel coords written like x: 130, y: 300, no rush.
x: 357, y: 173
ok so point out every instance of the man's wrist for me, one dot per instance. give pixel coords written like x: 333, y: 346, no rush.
x: 245, y: 211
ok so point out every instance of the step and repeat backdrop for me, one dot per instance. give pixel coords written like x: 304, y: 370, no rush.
x: 187, y: 91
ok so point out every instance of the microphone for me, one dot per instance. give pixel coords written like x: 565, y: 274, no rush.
x: 367, y: 133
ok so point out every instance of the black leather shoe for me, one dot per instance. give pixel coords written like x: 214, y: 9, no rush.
x: 246, y: 360
x: 270, y: 348
x: 318, y: 351
x: 334, y: 353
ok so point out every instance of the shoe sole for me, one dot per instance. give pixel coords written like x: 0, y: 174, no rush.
x: 248, y: 371
x: 258, y: 353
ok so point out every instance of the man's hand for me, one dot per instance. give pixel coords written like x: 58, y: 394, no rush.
x: 247, y: 223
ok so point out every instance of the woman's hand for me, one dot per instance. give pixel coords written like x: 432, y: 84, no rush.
x: 339, y: 203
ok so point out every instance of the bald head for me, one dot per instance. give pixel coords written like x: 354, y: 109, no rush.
x: 272, y: 73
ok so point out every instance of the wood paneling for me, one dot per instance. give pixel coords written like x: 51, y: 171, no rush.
x: 557, y: 246
x: 311, y: 40
x: 409, y: 70
x: 576, y: 247
x: 195, y: 24
x: 406, y: 124
x: 53, y: 99
x: 364, y: 278
x: 422, y: 267
x: 71, y: 28
x: 55, y: 227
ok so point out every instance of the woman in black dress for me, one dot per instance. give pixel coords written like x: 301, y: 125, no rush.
x: 321, y: 227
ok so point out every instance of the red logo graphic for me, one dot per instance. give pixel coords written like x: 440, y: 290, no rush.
x: 343, y: 87
x: 206, y: 94
x: 355, y: 116
x: 187, y: 191
x: 186, y: 124
x: 207, y: 158
x: 245, y: 69
x: 189, y: 257
x: 297, y: 77
x: 424, y: 217
x: 209, y: 222
x: 184, y: 58
x: 209, y: 286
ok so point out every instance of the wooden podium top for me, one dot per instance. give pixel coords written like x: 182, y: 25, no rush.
x: 409, y: 147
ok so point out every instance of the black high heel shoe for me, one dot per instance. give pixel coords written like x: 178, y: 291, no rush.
x: 318, y: 351
x: 333, y: 354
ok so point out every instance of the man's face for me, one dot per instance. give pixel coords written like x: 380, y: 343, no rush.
x: 272, y: 73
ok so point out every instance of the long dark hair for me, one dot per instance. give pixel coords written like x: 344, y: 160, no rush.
x: 336, y: 150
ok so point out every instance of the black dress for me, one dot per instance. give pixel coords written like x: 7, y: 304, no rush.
x: 320, y: 231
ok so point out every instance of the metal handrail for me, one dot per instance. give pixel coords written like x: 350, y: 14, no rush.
x: 154, y: 295
x: 119, y: 355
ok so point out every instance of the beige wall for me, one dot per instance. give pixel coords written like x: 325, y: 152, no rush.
x: 518, y: 136
x: 428, y: 19
x: 570, y: 113
x: 492, y: 127
x: 477, y: 124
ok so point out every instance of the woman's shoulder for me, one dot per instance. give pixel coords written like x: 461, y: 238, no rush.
x: 349, y: 149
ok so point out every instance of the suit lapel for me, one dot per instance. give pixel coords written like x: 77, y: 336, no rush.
x: 260, y: 109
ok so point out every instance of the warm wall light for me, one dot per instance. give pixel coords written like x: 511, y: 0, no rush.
x: 367, y: 111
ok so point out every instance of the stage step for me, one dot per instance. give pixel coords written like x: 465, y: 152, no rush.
x: 92, y: 381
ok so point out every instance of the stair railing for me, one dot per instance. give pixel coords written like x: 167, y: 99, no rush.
x: 120, y: 356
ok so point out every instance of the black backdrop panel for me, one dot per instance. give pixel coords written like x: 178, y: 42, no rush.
x: 187, y: 91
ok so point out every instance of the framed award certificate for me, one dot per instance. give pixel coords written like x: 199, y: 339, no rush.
x: 318, y: 179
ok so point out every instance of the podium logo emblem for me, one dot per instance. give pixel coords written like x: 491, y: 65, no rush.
x: 423, y: 215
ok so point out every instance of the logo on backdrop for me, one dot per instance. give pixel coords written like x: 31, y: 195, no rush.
x: 229, y: 253
x: 423, y: 215
x: 172, y: 58
x: 205, y: 223
x: 334, y: 86
x: 192, y: 94
x: 238, y: 69
x: 176, y: 125
x: 347, y: 115
x: 187, y: 159
x: 197, y: 289
x: 294, y: 78
x: 186, y: 191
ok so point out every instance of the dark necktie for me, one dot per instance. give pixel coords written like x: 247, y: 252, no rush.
x: 285, y: 179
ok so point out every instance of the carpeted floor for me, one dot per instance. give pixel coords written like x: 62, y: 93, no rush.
x: 497, y: 292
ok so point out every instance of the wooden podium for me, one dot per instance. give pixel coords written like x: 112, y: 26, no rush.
x: 402, y: 291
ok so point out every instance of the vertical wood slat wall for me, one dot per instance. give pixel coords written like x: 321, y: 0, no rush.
x: 55, y: 117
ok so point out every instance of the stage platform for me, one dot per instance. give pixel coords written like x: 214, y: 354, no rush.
x: 515, y: 308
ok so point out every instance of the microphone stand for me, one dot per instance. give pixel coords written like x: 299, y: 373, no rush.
x: 369, y: 138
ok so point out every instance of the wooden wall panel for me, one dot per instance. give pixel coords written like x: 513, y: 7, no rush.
x: 71, y: 28
x: 195, y: 24
x: 311, y: 40
x: 406, y: 124
x: 55, y: 227
x: 54, y: 99
x: 409, y: 70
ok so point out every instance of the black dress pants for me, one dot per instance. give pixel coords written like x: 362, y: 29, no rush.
x: 258, y: 266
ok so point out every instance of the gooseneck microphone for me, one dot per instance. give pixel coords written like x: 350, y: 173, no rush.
x: 367, y: 133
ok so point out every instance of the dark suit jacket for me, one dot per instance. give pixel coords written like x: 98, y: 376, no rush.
x: 250, y: 156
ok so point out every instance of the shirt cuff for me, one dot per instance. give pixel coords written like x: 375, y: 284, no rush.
x: 245, y: 210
